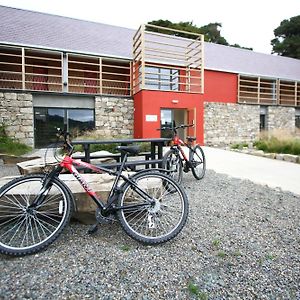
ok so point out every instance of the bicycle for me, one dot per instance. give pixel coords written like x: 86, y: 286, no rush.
x: 174, y: 158
x: 34, y: 209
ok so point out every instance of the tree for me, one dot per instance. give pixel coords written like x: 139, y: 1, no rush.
x: 211, y: 31
x: 287, y: 38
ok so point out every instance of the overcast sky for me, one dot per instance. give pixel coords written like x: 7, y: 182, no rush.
x: 248, y: 23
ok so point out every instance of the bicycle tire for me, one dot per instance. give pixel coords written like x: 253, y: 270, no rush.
x: 172, y: 162
x: 25, y: 230
x: 198, y: 162
x: 157, y: 223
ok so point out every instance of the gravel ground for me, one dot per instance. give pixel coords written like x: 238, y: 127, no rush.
x: 241, y: 242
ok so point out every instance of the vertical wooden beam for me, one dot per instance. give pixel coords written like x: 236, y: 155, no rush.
x: 238, y: 88
x: 100, y: 75
x: 258, y: 90
x: 143, y: 66
x: 278, y: 92
x: 295, y: 93
x: 23, y: 69
x: 202, y: 64
x: 130, y: 79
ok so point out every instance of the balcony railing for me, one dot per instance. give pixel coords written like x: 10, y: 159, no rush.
x: 53, y: 71
x: 268, y: 91
x: 167, y: 61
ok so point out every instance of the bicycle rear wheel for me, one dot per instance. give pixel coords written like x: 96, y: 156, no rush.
x: 157, y: 222
x: 25, y: 229
x: 198, y: 163
x: 172, y: 162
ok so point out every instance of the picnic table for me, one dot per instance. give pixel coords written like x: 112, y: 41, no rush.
x: 153, y: 157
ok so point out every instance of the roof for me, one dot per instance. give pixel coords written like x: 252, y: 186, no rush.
x: 35, y: 29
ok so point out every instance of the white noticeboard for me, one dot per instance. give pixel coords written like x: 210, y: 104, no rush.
x: 151, y: 118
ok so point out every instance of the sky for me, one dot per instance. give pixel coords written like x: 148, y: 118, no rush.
x: 248, y: 23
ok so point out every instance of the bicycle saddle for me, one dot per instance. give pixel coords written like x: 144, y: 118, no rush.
x: 129, y: 149
x: 191, y: 138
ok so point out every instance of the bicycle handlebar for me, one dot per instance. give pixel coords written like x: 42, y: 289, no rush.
x: 176, y: 127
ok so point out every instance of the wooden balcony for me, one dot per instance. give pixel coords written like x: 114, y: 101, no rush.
x: 53, y: 71
x: 268, y: 91
x: 166, y: 61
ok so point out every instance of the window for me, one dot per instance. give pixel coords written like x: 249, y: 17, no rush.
x: 263, y: 118
x: 297, y: 121
x: 47, y: 120
x: 164, y: 79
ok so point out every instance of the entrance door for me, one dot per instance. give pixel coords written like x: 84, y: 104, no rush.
x: 171, y: 117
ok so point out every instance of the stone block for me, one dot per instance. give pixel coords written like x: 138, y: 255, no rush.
x: 26, y: 110
x: 290, y: 158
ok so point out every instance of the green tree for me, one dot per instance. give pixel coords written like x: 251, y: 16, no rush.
x: 287, y: 38
x: 211, y: 31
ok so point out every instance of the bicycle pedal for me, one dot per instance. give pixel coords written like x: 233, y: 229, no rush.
x: 93, y: 229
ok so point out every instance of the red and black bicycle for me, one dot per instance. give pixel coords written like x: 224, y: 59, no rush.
x: 177, y: 161
x: 34, y: 209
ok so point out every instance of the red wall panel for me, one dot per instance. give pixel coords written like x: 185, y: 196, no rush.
x: 151, y: 102
x: 220, y: 87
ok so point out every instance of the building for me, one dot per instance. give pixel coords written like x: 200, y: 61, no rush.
x: 57, y: 71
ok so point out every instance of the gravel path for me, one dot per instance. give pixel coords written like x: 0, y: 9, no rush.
x: 241, y: 242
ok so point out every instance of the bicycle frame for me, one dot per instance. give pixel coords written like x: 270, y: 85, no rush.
x: 177, y: 143
x: 69, y: 163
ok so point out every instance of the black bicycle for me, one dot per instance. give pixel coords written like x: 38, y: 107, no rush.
x: 176, y: 161
x: 34, y: 209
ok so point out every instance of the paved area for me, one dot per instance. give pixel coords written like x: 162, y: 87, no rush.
x: 271, y: 172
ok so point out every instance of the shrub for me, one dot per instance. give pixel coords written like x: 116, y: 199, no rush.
x: 279, y: 143
x: 12, y: 147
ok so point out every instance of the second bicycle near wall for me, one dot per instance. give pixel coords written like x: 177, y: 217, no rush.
x: 183, y: 156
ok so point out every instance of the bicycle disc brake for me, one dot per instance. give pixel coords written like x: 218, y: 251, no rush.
x: 104, y: 219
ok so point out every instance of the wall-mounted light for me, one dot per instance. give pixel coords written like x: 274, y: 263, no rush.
x: 175, y: 101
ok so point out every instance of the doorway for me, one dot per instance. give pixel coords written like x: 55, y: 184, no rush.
x: 169, y: 117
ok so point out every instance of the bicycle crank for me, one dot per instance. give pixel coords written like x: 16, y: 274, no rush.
x: 101, y: 219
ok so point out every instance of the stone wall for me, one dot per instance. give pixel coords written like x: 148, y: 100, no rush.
x: 228, y: 123
x: 280, y: 117
x: 114, y: 116
x: 16, y: 113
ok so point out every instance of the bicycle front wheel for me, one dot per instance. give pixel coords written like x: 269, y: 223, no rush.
x: 26, y: 229
x: 154, y: 209
x: 198, y: 162
x: 172, y: 162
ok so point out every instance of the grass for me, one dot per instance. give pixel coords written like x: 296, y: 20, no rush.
x: 194, y: 290
x: 239, y: 145
x: 10, y: 146
x: 125, y: 248
x: 276, y: 141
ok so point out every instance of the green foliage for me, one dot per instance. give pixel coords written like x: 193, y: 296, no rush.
x: 211, y: 31
x: 276, y: 145
x: 238, y: 145
x: 11, y: 146
x: 194, y: 290
x: 287, y: 38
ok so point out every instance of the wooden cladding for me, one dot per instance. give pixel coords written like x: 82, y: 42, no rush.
x: 267, y: 91
x: 167, y: 62
x: 34, y: 69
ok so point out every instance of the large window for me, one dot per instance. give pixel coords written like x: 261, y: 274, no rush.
x: 47, y: 120
x: 161, y: 79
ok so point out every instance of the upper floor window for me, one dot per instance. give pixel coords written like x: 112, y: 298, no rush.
x: 164, y: 79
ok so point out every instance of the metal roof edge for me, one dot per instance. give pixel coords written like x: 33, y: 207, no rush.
x: 65, y: 50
